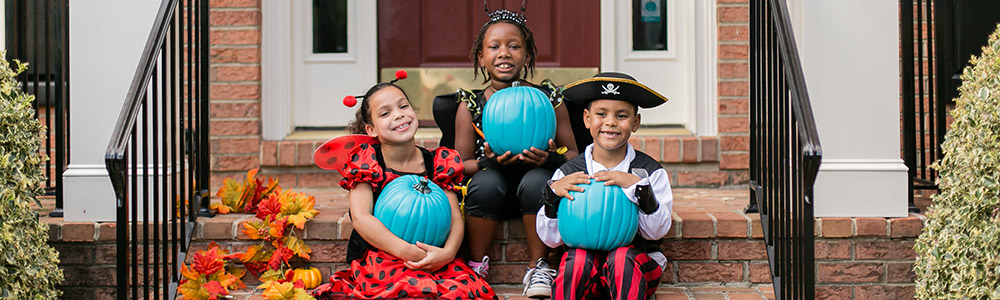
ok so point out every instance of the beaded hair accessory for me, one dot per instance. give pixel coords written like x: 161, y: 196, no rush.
x: 351, y: 101
x: 503, y: 14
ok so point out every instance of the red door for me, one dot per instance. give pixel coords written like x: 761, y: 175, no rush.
x: 439, y: 33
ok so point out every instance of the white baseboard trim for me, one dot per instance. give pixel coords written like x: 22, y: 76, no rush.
x: 861, y: 188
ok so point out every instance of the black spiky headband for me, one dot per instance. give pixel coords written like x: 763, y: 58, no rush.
x: 503, y: 14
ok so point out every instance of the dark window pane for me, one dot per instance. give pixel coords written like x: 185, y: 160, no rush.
x: 329, y: 26
x: 649, y: 25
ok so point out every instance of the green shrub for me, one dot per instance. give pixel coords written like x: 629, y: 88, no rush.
x: 958, y: 253
x: 28, y: 266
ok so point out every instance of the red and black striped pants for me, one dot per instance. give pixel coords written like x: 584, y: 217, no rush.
x: 623, y: 273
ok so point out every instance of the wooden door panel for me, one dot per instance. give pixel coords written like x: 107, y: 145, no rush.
x: 439, y: 33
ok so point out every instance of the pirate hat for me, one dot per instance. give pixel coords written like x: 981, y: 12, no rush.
x: 614, y: 86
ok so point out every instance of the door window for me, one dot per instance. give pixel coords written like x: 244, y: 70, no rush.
x: 329, y: 26
x: 649, y: 25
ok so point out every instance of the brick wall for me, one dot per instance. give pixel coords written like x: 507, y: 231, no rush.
x: 235, y: 86
x: 734, y: 84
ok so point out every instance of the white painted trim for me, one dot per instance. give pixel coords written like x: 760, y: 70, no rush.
x: 276, y: 69
x: 861, y: 188
x: 854, y: 165
x: 608, y: 46
x: 706, y: 114
x: 88, y: 194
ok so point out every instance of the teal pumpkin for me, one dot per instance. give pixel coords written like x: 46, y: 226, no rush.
x: 518, y: 118
x: 599, y: 218
x: 415, y: 210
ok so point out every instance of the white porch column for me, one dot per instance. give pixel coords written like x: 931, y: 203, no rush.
x: 107, y: 37
x: 850, y: 56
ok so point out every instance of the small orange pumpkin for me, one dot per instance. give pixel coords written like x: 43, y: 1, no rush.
x: 309, y: 276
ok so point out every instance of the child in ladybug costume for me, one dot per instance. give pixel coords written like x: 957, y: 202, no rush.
x: 384, y: 266
x: 632, y: 271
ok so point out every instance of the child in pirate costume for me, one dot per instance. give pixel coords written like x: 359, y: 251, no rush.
x: 504, y: 185
x: 611, y: 115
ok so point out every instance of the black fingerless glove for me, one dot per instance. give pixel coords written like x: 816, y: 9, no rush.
x: 647, y: 200
x: 488, y: 163
x: 553, y: 161
x: 550, y: 200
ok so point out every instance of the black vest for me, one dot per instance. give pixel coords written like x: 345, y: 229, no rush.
x: 641, y: 161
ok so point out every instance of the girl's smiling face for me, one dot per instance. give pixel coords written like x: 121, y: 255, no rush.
x: 504, y: 53
x: 393, y: 120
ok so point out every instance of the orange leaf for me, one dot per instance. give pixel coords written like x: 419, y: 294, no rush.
x: 189, y: 273
x: 253, y: 230
x: 253, y: 254
x: 298, y: 246
x: 230, y: 196
x: 192, y: 290
x: 298, y: 207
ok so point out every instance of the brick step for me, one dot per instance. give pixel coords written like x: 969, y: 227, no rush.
x: 664, y: 292
x: 711, y: 243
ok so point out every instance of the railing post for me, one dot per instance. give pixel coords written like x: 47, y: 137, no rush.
x: 204, y: 160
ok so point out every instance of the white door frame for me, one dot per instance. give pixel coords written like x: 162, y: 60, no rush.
x: 276, y: 69
x: 701, y: 16
x: 286, y: 46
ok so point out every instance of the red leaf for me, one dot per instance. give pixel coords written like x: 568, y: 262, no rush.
x: 269, y: 207
x: 215, y: 288
x: 280, y: 255
x: 207, y: 262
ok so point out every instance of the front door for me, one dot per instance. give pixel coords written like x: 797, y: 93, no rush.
x: 654, y: 41
x: 432, y: 40
x: 332, y: 56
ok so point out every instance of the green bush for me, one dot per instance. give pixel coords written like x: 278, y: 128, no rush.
x: 28, y: 266
x: 958, y: 253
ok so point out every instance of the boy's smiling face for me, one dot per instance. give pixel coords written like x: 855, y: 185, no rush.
x: 611, y: 122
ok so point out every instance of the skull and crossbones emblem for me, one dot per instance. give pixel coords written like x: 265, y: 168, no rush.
x: 610, y: 89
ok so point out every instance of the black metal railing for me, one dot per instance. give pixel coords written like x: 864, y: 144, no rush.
x: 38, y: 33
x: 158, y: 157
x: 785, y: 152
x: 924, y: 108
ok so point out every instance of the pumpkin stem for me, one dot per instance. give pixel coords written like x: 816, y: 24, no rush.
x: 422, y: 186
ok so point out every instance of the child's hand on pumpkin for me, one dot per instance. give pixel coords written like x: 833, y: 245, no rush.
x: 562, y: 186
x: 505, y: 160
x: 536, y: 157
x: 436, y: 258
x: 618, y: 178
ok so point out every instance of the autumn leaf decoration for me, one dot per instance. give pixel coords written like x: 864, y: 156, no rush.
x: 236, y: 197
x: 279, y: 213
x: 279, y: 243
x: 209, y: 277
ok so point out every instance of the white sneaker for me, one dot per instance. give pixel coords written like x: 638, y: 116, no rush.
x: 538, y: 280
x: 481, y: 268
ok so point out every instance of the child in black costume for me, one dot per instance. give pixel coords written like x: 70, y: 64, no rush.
x: 631, y: 271
x: 504, y: 185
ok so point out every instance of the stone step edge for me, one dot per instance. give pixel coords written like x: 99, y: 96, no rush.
x: 336, y: 225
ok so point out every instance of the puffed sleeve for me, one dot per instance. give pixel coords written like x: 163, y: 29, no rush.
x: 448, y: 168
x: 363, y: 167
